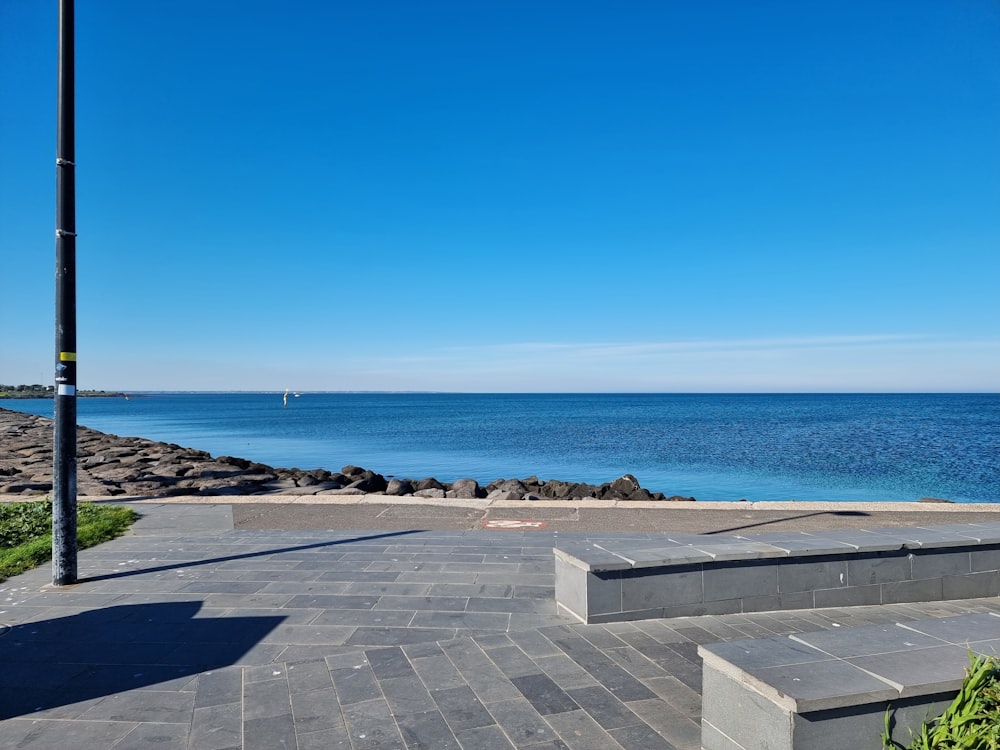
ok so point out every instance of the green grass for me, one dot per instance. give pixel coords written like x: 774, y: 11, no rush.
x: 26, y: 531
x: 971, y: 722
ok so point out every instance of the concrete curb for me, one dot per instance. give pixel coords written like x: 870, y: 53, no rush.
x: 666, y: 506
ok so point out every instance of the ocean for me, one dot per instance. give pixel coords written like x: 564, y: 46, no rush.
x: 863, y: 447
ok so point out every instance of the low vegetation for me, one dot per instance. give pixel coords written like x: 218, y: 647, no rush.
x: 26, y: 531
x: 971, y: 722
x: 46, y: 391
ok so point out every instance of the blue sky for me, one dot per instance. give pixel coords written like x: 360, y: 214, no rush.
x: 510, y: 196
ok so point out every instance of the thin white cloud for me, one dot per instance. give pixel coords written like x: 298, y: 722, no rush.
x: 863, y: 362
x: 643, y: 348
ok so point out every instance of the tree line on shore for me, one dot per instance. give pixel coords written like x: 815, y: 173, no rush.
x: 44, y: 391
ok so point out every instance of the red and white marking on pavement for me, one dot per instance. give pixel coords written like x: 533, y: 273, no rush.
x: 512, y: 524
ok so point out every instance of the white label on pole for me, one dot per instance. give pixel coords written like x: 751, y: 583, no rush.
x: 67, y: 390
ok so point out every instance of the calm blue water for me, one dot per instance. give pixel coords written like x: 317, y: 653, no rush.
x: 713, y: 447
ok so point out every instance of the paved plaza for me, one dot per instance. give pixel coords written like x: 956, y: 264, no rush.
x: 190, y: 633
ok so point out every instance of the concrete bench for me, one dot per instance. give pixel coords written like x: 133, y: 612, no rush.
x: 691, y: 574
x: 830, y: 690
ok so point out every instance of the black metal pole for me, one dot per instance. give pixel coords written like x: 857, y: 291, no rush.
x: 64, y: 569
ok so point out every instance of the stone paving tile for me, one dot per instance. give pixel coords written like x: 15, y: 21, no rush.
x: 217, y: 727
x: 461, y: 708
x: 544, y: 694
x: 641, y: 737
x: 566, y: 672
x: 364, y: 617
x: 679, y: 730
x: 355, y: 684
x: 521, y: 723
x: 604, y: 707
x: 143, y: 706
x: 378, y: 636
x: 478, y: 671
x: 437, y: 670
x: 407, y: 695
x: 371, y: 725
x: 316, y: 710
x: 326, y: 739
x: 484, y: 738
x: 427, y: 731
x: 579, y: 730
x: 269, y: 733
x: 159, y: 736
x: 50, y: 734
x: 604, y: 669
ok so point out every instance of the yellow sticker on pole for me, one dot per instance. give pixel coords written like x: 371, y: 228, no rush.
x: 67, y: 356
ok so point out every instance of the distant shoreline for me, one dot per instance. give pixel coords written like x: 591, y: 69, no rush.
x: 50, y: 396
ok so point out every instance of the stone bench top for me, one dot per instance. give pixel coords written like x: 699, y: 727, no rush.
x: 685, y: 549
x: 853, y: 666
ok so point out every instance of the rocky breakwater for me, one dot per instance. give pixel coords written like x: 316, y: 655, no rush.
x: 113, y: 466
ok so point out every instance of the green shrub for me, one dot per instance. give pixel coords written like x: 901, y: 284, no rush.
x: 971, y: 722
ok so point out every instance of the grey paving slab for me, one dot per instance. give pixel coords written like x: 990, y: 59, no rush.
x: 201, y: 636
x: 867, y: 640
x: 521, y: 722
x: 427, y: 731
x: 921, y: 672
x: 960, y: 629
x: 407, y: 695
x: 461, y: 708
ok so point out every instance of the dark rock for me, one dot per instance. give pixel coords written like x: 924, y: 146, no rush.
x: 430, y: 483
x: 625, y: 485
x: 499, y: 494
x: 240, y: 462
x: 934, y: 500
x: 465, y: 489
x: 369, y: 482
x: 397, y: 487
x: 15, y: 488
x: 640, y: 495
x: 556, y: 489
x: 430, y: 492
x: 582, y: 490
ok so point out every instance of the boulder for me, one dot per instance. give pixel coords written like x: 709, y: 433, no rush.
x: 640, y: 495
x: 507, y: 485
x: 430, y: 483
x: 559, y: 490
x: 625, y: 485
x: 504, y: 495
x: 464, y: 489
x: 430, y: 492
x: 369, y: 482
x: 533, y: 483
x: 233, y: 461
x: 397, y: 487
